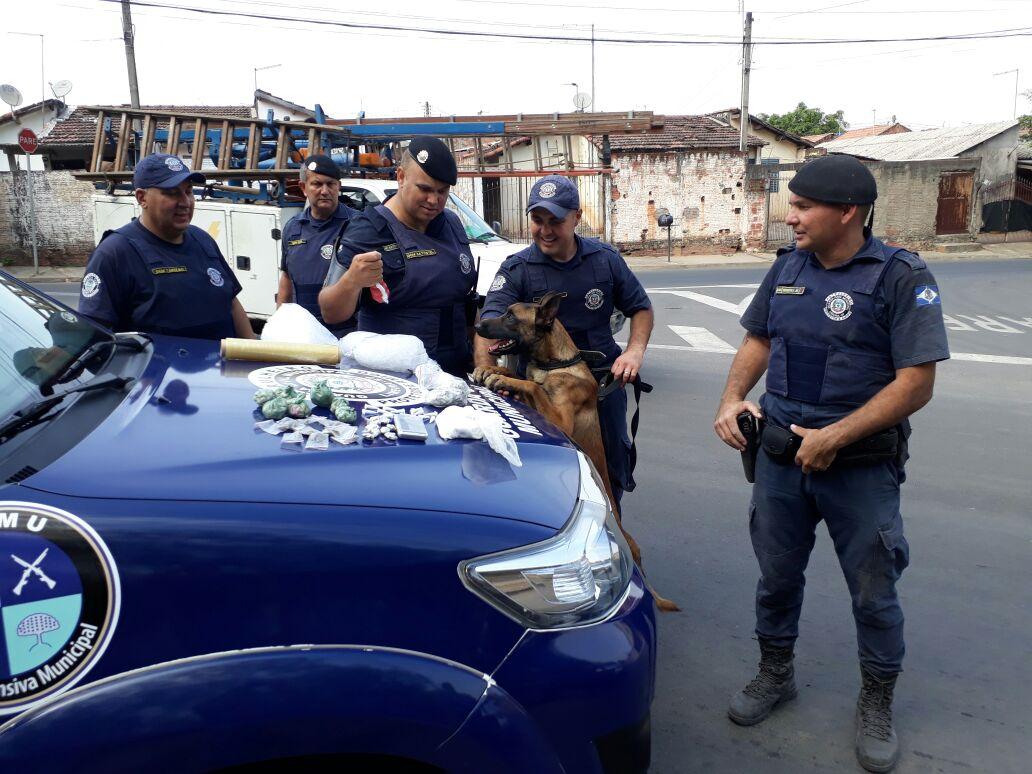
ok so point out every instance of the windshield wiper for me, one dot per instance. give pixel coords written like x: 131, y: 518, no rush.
x: 74, y: 367
x: 37, y: 412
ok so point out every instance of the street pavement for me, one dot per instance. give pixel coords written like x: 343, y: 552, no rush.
x: 964, y: 703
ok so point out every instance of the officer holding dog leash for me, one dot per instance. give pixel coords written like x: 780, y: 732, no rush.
x: 595, y: 279
x: 848, y: 330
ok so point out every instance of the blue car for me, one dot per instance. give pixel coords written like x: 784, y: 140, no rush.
x: 182, y: 591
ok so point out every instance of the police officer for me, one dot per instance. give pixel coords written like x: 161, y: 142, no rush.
x: 308, y: 240
x: 848, y: 330
x: 159, y: 274
x: 596, y: 280
x: 406, y: 265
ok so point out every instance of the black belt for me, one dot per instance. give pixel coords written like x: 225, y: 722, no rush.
x: 781, y: 445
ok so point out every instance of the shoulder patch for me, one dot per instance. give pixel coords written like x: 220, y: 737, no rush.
x: 913, y: 260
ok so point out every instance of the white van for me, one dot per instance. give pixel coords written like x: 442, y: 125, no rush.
x: 249, y: 235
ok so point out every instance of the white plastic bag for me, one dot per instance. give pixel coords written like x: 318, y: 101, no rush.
x: 467, y: 422
x: 388, y: 352
x: 296, y: 325
x: 441, y: 388
x: 352, y: 340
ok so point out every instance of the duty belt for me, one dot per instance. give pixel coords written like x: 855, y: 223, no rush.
x: 781, y: 445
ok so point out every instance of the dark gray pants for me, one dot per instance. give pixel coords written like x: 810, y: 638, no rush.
x: 860, y: 505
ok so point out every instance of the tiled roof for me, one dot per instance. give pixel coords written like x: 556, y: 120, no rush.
x: 915, y: 146
x: 819, y: 138
x: 682, y: 133
x: 724, y: 114
x: 873, y: 131
x: 81, y: 126
x: 11, y: 115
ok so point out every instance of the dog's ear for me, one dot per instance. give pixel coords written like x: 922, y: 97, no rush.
x: 548, y: 308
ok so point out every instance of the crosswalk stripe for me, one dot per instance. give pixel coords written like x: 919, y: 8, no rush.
x: 976, y: 358
x: 702, y: 339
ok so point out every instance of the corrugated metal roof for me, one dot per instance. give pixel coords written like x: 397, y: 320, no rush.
x: 916, y: 146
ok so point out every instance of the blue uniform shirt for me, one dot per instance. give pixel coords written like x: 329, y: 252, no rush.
x: 838, y: 335
x: 307, y: 249
x: 431, y: 277
x: 136, y: 281
x: 596, y: 281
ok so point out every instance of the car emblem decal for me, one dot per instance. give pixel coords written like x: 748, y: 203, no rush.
x: 838, y: 306
x: 547, y: 191
x: 90, y: 285
x: 353, y: 383
x: 215, y: 277
x: 594, y: 299
x: 59, y: 602
x: 499, y: 283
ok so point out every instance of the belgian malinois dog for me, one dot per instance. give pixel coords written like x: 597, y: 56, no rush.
x: 559, y: 384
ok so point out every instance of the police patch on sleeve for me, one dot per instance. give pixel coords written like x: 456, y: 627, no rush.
x: 498, y: 283
x: 927, y: 295
x: 90, y: 285
x: 215, y: 277
x: 838, y: 306
x: 594, y: 298
x: 59, y: 602
x: 465, y: 263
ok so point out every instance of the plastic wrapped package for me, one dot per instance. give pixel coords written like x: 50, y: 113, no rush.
x: 296, y: 325
x: 384, y: 352
x: 467, y: 422
x: 441, y: 388
x: 352, y: 340
x: 321, y: 394
x: 275, y: 408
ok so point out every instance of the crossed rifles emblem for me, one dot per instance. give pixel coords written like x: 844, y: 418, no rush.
x: 30, y: 570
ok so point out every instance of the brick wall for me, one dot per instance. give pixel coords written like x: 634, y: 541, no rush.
x: 64, y: 218
x: 704, y: 191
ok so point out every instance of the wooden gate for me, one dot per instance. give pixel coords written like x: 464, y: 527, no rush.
x: 953, y: 214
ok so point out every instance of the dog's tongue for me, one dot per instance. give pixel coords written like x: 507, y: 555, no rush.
x: 499, y: 345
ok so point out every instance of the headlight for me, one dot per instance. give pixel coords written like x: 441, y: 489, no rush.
x: 576, y: 578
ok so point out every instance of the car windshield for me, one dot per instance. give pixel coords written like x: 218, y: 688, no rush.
x: 475, y: 226
x: 38, y: 338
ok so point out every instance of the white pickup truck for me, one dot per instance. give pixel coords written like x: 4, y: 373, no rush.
x: 249, y: 234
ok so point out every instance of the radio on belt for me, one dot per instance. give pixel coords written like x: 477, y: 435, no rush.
x: 410, y: 427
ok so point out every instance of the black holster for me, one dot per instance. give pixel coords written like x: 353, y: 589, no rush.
x: 781, y: 445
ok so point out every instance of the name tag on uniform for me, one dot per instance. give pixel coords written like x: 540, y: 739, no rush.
x: 296, y: 242
x: 169, y: 270
x: 789, y: 290
x: 420, y: 253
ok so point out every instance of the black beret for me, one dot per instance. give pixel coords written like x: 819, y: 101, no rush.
x: 836, y: 179
x: 434, y: 158
x: 322, y: 165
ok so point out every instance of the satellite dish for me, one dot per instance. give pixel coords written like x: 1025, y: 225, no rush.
x: 61, y: 88
x: 10, y: 95
x: 581, y: 100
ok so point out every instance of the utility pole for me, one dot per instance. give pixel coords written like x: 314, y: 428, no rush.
x: 426, y: 109
x: 1008, y: 72
x: 593, y: 108
x: 743, y: 140
x: 130, y: 54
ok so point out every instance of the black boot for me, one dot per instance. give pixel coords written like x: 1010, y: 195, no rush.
x: 775, y: 683
x: 877, y: 748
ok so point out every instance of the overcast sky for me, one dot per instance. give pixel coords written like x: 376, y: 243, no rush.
x: 192, y: 58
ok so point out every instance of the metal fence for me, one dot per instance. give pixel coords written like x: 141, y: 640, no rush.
x: 505, y: 202
x: 778, y: 233
x: 1011, y: 188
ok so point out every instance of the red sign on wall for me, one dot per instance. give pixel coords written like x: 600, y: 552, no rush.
x: 28, y: 141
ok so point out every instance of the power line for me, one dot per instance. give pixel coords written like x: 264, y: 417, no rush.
x: 990, y: 34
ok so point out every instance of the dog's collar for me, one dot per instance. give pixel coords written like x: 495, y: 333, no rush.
x: 552, y: 365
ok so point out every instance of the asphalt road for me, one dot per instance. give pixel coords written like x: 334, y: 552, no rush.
x: 964, y: 703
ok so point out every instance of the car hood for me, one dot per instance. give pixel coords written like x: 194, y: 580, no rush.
x: 186, y: 431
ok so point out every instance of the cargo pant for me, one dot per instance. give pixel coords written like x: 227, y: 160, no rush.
x: 860, y: 506
x: 612, y: 417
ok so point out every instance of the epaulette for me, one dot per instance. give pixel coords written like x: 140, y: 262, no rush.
x: 786, y: 249
x: 913, y: 260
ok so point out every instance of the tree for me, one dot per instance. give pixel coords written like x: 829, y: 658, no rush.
x: 1026, y: 120
x: 806, y: 120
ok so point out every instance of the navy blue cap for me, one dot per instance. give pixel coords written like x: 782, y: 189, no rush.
x: 322, y: 165
x: 555, y: 193
x: 836, y: 179
x: 434, y: 158
x: 160, y: 170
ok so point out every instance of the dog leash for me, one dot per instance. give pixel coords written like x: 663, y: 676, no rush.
x: 607, y: 385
